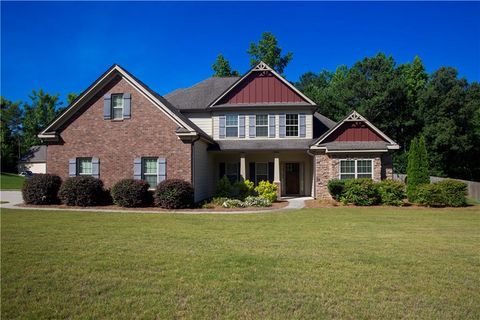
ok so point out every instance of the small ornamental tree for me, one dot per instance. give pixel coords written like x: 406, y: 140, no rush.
x: 417, y: 169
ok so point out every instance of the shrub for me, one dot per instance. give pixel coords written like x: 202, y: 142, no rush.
x: 430, y: 195
x: 174, y: 194
x: 243, y: 189
x: 267, y: 190
x: 391, y: 192
x: 454, y: 192
x: 233, y: 203
x: 223, y: 188
x: 361, y: 192
x: 82, y: 191
x: 218, y: 201
x: 131, y: 193
x: 257, y: 202
x: 336, y: 188
x: 41, y: 189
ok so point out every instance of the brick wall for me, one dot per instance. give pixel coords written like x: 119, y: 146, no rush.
x: 149, y: 132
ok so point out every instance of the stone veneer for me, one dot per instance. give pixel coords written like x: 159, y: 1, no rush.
x: 327, y: 167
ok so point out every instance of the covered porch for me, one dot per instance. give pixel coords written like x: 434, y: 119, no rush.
x: 291, y: 171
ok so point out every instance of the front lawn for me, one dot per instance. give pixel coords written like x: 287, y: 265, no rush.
x: 354, y: 263
x: 11, y: 181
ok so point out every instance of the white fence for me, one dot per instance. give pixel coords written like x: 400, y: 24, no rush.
x: 473, y: 187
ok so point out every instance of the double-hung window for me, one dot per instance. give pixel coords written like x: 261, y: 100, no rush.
x: 351, y: 169
x: 150, y: 171
x: 291, y: 125
x: 231, y: 125
x: 84, y: 166
x: 231, y: 171
x: 261, y: 125
x: 261, y: 171
x: 117, y: 106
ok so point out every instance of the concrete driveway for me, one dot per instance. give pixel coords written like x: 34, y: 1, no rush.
x: 13, y: 198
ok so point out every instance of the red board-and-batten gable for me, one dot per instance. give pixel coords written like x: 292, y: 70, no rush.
x: 262, y: 85
x: 354, y: 131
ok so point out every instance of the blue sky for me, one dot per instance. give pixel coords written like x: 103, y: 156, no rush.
x: 63, y: 47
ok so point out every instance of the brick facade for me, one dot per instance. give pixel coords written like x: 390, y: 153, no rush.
x: 149, y: 132
x: 327, y: 167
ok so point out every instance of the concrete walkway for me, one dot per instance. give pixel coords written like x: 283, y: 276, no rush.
x: 14, y: 198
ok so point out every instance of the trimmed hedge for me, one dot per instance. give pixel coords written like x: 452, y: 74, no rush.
x: 446, y: 193
x: 391, y: 192
x: 131, y: 193
x: 83, y: 191
x: 336, y: 188
x: 174, y: 194
x: 361, y: 192
x: 430, y: 195
x: 41, y: 189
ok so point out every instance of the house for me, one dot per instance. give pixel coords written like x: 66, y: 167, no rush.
x: 256, y: 127
x: 35, y: 160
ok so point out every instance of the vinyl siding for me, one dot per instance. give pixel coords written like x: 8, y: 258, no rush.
x: 203, y: 167
x: 202, y: 120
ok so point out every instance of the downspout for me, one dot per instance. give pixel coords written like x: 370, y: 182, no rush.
x: 192, y: 161
x: 314, y: 170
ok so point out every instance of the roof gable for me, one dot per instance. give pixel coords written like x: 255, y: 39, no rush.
x: 261, y: 86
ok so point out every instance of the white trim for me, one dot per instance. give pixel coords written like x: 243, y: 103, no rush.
x: 77, y: 167
x: 298, y: 125
x: 142, y: 173
x: 355, y: 171
x: 355, y: 151
x: 232, y: 126
x: 94, y: 89
x: 113, y: 108
x: 262, y: 66
x: 268, y: 125
x: 355, y: 116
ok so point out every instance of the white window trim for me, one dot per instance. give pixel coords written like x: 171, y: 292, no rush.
x: 113, y: 108
x: 268, y: 125
x: 356, y: 173
x: 232, y: 126
x: 142, y: 171
x: 298, y: 125
x: 78, y: 167
x: 256, y: 174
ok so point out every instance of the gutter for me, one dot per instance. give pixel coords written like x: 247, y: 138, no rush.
x: 314, y: 171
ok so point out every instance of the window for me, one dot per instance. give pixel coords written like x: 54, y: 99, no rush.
x: 351, y: 169
x: 231, y: 171
x: 231, y: 125
x: 261, y: 172
x: 150, y: 171
x: 261, y: 125
x: 117, y: 106
x: 291, y: 125
x: 84, y: 166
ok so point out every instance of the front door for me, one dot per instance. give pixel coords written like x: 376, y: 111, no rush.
x: 292, y: 178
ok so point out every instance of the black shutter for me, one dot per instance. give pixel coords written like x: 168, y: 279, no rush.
x: 251, y: 167
x: 270, y: 171
x: 221, y: 166
x: 239, y: 178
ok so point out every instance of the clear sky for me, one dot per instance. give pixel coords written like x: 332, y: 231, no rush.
x: 63, y: 47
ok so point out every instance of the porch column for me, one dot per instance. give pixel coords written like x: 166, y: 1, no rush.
x: 276, y: 173
x: 243, y: 172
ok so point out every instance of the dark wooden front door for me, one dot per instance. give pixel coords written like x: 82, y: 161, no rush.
x: 292, y: 178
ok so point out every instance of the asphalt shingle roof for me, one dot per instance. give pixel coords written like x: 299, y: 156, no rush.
x: 357, y: 145
x: 35, y: 154
x: 263, y: 145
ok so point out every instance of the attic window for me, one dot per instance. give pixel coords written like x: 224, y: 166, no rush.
x: 117, y: 106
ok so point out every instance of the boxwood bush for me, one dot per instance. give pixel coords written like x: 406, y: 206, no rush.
x: 361, y: 192
x: 430, y: 195
x: 336, y: 188
x: 454, y: 192
x: 41, y: 189
x: 82, y: 191
x: 391, y: 192
x: 131, y: 193
x: 174, y: 194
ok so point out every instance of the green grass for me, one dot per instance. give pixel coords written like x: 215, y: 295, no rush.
x: 11, y: 181
x: 355, y: 263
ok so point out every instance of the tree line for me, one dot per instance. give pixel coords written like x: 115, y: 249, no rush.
x: 403, y: 100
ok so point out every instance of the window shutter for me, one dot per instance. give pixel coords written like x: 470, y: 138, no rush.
x: 270, y: 171
x: 107, y: 107
x: 282, y: 120
x: 221, y: 167
x: 221, y: 127
x: 241, y: 126
x: 96, y: 168
x: 251, y: 126
x: 303, y: 125
x: 137, y: 168
x: 162, y: 169
x: 127, y: 105
x: 251, y: 169
x: 271, y: 126
x: 72, y: 167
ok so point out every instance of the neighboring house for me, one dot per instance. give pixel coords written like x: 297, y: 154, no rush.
x: 35, y: 160
x: 256, y: 127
